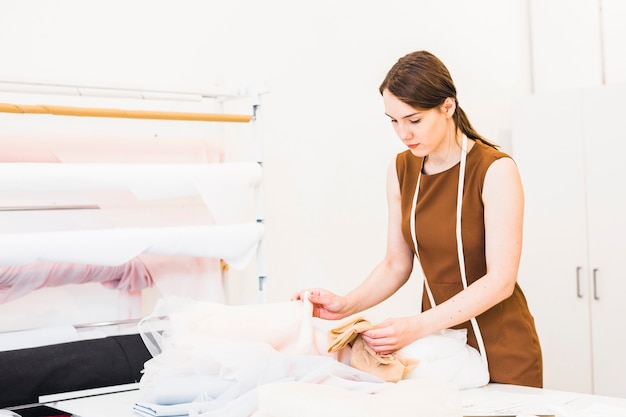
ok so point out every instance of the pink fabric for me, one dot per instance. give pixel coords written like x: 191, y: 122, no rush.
x: 122, y: 209
x: 110, y: 150
x: 17, y: 281
x: 186, y: 276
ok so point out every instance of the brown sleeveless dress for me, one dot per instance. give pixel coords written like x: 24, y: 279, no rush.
x: 508, y: 328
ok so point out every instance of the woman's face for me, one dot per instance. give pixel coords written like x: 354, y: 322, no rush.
x: 422, y: 131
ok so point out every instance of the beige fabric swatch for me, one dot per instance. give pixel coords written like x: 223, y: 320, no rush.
x: 390, y: 367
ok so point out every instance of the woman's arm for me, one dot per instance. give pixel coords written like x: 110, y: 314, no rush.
x: 504, y: 204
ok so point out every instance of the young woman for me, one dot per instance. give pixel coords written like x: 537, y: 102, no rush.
x: 456, y: 202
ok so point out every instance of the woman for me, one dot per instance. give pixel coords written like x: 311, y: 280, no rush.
x: 447, y: 158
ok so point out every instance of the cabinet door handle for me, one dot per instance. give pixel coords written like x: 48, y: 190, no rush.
x: 578, y: 293
x: 595, y: 284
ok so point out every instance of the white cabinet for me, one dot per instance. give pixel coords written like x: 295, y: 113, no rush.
x: 570, y: 147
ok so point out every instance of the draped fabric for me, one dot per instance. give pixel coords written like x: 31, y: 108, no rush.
x: 17, y: 281
x: 268, y: 360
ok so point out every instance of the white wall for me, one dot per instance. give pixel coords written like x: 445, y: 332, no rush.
x: 577, y: 43
x: 327, y: 141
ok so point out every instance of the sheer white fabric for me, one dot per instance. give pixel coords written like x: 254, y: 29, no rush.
x: 236, y: 361
x: 446, y: 356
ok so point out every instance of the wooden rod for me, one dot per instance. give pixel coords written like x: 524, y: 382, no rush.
x: 118, y: 113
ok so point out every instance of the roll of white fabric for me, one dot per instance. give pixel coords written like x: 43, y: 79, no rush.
x: 234, y: 243
x: 44, y: 336
x: 146, y: 181
x: 225, y: 188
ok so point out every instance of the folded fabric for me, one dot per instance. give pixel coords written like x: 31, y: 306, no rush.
x: 344, y: 335
x: 391, y: 367
x: 157, y: 410
x: 184, y: 389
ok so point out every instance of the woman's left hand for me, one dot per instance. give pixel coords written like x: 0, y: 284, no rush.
x: 391, y: 335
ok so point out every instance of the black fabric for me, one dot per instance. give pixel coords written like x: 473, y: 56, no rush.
x: 25, y: 374
x: 41, y: 411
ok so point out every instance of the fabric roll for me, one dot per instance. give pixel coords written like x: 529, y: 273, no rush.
x: 145, y: 180
x: 234, y: 243
x: 42, y: 142
x: 223, y: 189
x: 77, y: 140
x: 44, y: 336
x: 27, y: 374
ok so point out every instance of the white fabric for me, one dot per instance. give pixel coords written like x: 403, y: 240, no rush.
x: 235, y: 243
x: 147, y: 181
x: 249, y: 347
x: 184, y: 389
x: 44, y: 336
x: 190, y: 277
x: 446, y: 356
x: 156, y: 410
x: 285, y: 327
x: 243, y: 366
x: 223, y: 187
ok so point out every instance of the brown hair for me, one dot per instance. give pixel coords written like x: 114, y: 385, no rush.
x: 422, y: 81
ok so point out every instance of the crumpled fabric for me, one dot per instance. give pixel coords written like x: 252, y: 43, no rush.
x: 391, y: 367
x: 245, y: 346
x: 443, y: 356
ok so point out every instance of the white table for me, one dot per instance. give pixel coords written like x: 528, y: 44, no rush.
x: 500, y: 400
x: 491, y: 400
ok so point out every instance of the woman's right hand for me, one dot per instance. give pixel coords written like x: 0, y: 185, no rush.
x: 326, y: 305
